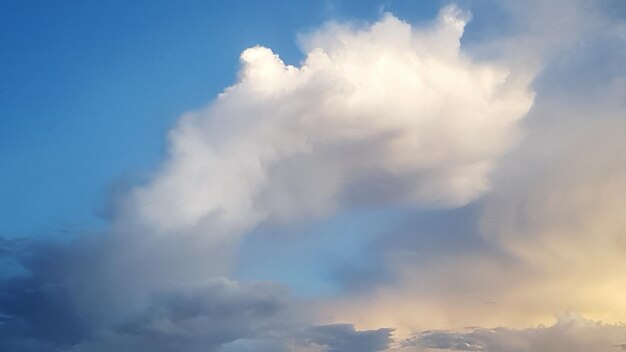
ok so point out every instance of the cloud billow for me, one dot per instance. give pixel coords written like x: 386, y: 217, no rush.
x: 385, y: 114
x: 397, y: 112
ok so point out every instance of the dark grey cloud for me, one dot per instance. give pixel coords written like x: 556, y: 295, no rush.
x: 39, y: 313
x: 344, y: 338
x: 450, y: 341
x: 198, y: 319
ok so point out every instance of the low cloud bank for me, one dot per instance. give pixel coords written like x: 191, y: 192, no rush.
x: 571, y: 333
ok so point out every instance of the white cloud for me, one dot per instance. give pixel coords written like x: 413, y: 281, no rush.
x: 553, y: 224
x: 382, y: 114
x: 388, y: 109
x: 386, y: 113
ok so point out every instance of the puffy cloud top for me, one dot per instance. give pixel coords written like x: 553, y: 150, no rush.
x: 385, y: 113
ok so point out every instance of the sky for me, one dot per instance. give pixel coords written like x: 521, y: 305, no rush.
x: 313, y: 176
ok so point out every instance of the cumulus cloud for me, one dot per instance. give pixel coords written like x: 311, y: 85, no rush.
x: 550, y: 234
x: 382, y: 114
x: 395, y: 112
x: 564, y: 216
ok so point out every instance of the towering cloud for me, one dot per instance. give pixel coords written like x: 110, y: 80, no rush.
x: 550, y: 238
x: 382, y: 113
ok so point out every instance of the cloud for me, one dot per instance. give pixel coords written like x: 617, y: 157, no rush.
x: 36, y: 312
x: 385, y: 113
x: 571, y: 333
x: 549, y: 236
x: 210, y: 317
x: 39, y: 314
x: 344, y: 338
x: 563, y: 217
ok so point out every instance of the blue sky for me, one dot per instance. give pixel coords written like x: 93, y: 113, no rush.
x: 326, y: 176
